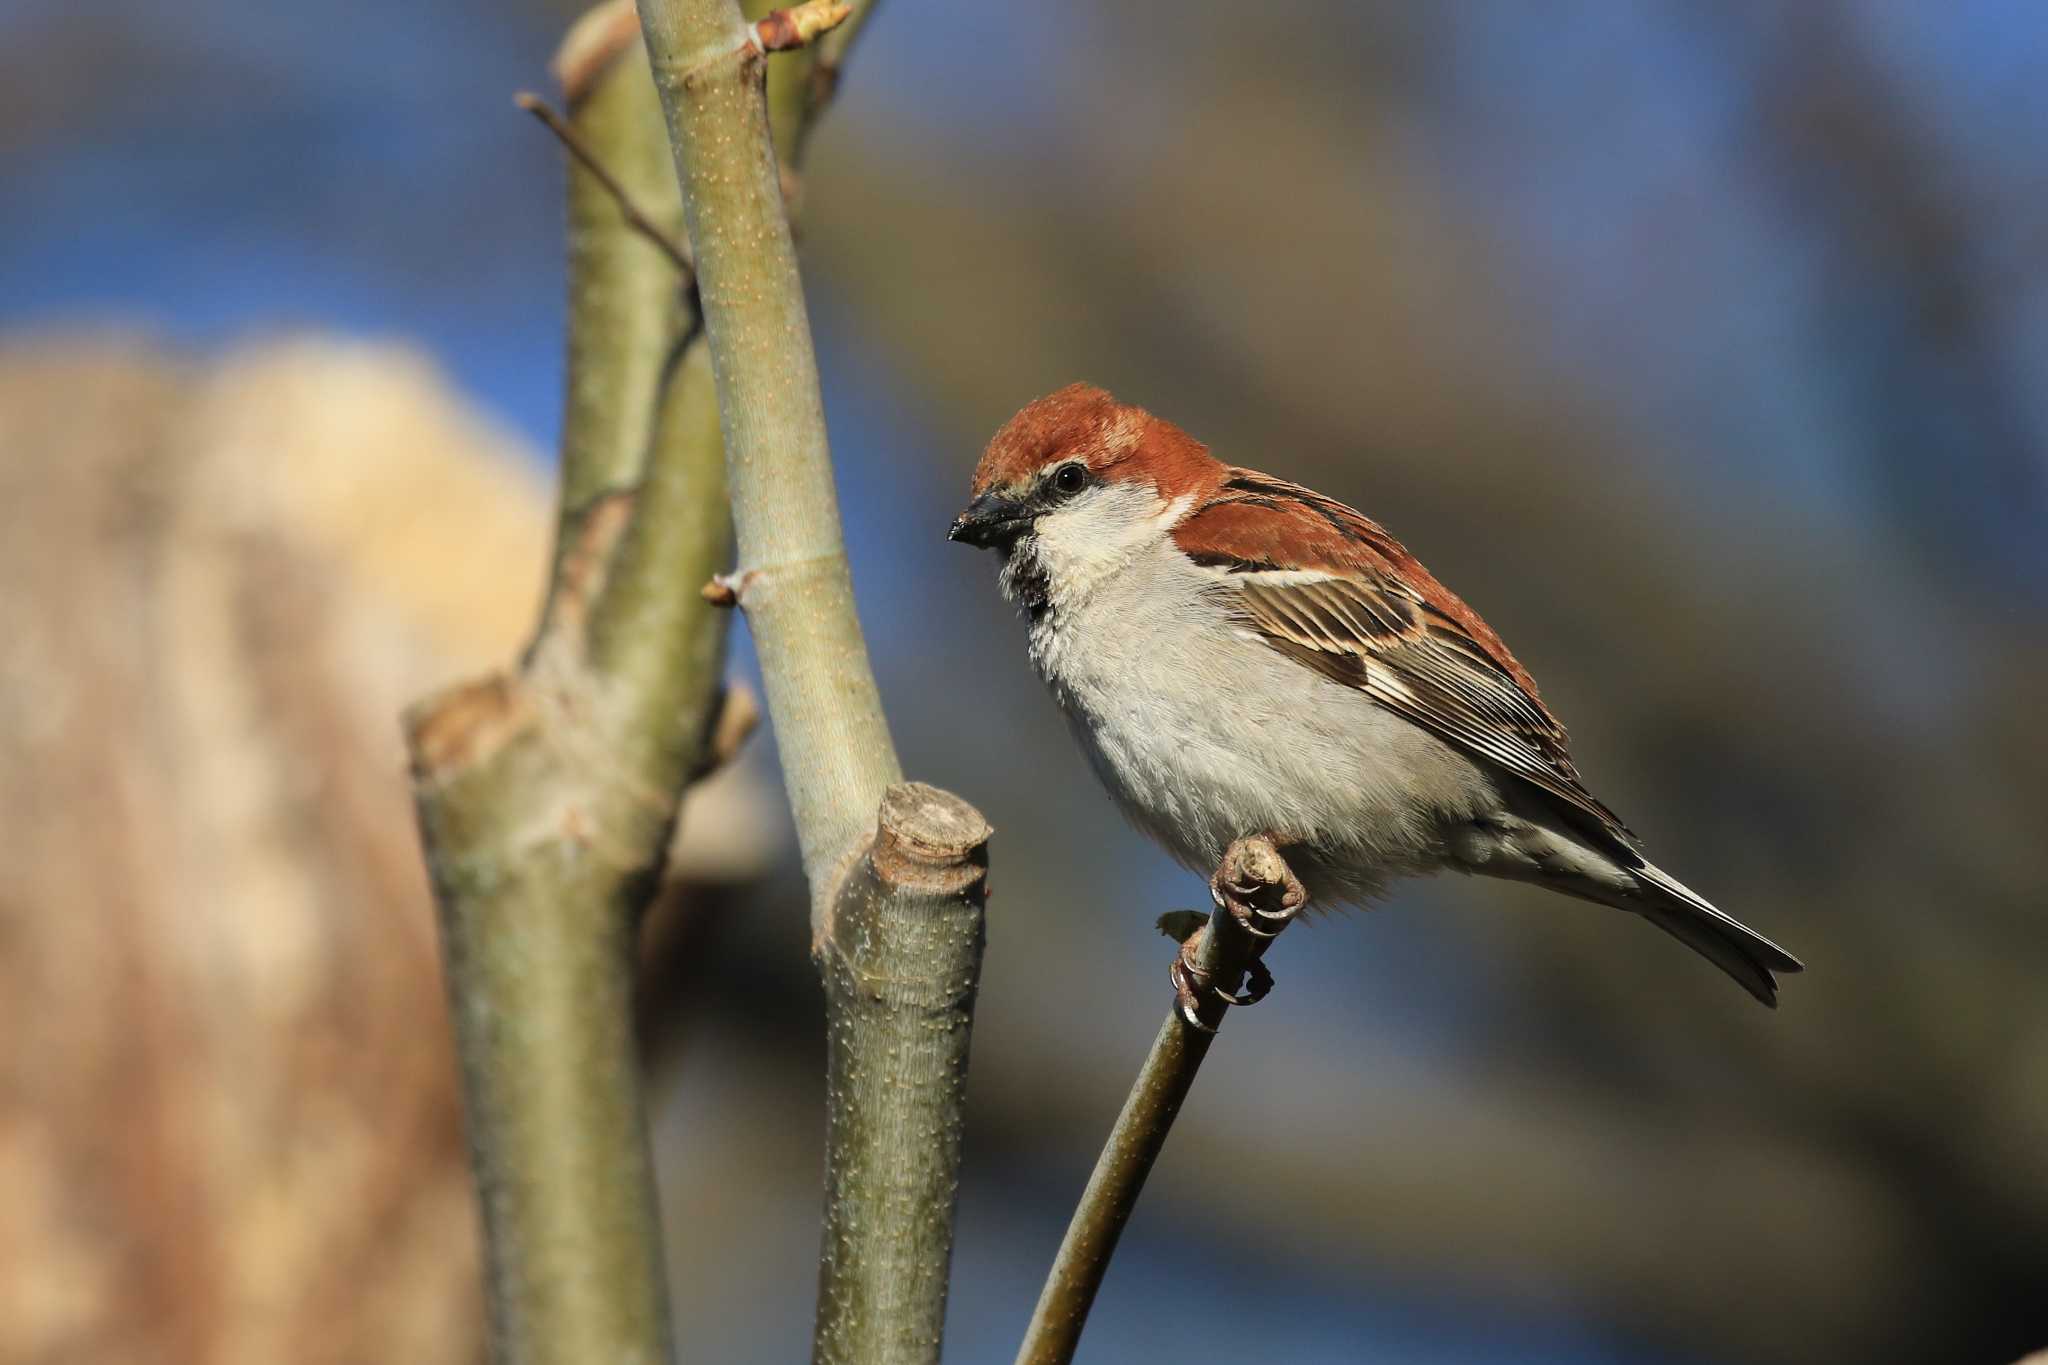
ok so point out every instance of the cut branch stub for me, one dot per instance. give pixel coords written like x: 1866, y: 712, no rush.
x: 930, y: 840
x: 901, y: 959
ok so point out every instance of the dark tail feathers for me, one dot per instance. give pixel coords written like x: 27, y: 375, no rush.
x: 1722, y: 939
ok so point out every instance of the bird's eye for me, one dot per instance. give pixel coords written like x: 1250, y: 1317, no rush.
x: 1069, y: 479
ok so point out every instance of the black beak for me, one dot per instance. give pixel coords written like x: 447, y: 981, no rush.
x: 991, y: 522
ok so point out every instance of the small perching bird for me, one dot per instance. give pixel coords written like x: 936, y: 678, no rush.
x: 1240, y: 655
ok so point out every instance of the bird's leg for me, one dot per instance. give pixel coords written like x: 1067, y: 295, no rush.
x: 1257, y: 895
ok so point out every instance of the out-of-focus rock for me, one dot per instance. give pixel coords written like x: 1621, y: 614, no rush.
x: 229, y: 1129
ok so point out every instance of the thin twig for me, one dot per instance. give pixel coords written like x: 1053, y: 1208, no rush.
x: 1256, y: 896
x: 635, y: 218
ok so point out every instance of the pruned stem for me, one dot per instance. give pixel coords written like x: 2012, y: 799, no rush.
x: 1255, y: 895
x: 547, y: 794
x: 898, y: 942
x: 901, y: 961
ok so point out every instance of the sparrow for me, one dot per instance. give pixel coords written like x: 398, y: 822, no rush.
x: 1239, y: 655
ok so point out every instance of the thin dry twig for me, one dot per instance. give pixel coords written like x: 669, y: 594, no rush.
x: 635, y: 217
x: 1256, y: 896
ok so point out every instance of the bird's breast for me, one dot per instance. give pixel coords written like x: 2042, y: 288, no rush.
x: 1203, y: 733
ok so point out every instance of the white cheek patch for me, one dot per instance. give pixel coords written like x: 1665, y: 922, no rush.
x: 1097, y: 533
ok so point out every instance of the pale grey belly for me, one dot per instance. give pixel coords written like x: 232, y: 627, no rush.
x: 1203, y: 739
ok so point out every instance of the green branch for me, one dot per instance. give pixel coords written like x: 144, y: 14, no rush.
x: 898, y: 938
x: 793, y: 582
x: 900, y: 976
x: 547, y: 796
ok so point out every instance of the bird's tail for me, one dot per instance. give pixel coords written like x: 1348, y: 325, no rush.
x: 1592, y: 865
x: 1717, y: 936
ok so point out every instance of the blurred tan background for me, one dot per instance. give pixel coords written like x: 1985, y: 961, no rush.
x: 1703, y: 349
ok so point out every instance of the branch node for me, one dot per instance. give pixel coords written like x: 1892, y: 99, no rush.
x: 726, y: 589
x: 463, y: 726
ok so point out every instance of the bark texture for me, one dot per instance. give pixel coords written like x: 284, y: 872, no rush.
x: 547, y: 794
x: 901, y: 968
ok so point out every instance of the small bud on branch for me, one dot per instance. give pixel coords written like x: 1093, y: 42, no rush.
x: 784, y: 29
x: 724, y: 589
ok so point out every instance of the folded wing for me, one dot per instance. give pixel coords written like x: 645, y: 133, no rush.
x: 1326, y: 586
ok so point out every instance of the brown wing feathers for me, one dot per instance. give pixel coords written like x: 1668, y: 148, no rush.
x: 1381, y: 623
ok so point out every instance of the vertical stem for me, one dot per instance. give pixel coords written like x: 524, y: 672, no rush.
x: 550, y: 1077
x: 547, y: 795
x: 895, y: 914
x: 900, y: 974
x: 797, y: 590
x: 625, y: 310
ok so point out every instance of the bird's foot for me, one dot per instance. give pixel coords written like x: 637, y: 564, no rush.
x: 1257, y: 895
x: 1194, y: 987
x: 1257, y: 888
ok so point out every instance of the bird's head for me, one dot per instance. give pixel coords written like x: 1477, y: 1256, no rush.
x: 1075, y: 484
x: 1079, y: 467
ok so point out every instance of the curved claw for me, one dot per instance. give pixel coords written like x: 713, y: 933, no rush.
x: 1244, y: 899
x: 1190, y: 983
x: 1261, y: 923
x: 1258, y: 984
x: 1185, y: 999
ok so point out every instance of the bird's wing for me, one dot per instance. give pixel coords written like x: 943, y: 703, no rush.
x: 1329, y: 588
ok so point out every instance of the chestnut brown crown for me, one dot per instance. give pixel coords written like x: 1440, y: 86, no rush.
x: 1117, y: 441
